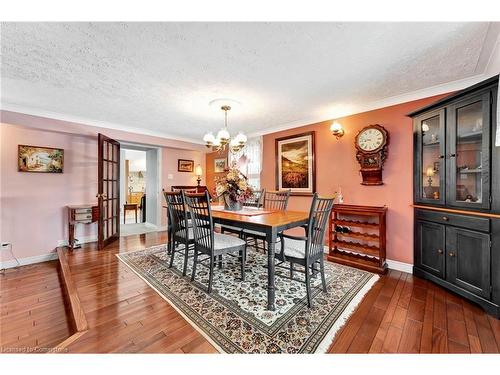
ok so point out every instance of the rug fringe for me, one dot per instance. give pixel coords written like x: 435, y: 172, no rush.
x: 341, y: 320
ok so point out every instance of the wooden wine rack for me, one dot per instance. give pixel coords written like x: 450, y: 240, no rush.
x: 364, y: 245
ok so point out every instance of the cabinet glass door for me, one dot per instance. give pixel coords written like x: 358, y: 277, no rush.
x: 430, y: 168
x: 469, y: 153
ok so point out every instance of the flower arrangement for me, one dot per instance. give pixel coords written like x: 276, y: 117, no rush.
x: 233, y: 186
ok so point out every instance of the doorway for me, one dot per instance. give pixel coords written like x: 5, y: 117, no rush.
x: 140, y: 187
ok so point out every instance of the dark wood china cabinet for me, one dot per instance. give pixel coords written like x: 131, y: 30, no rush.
x: 457, y: 194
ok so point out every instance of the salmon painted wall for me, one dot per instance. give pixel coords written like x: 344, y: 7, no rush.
x: 336, y: 166
x: 210, y: 173
x: 33, y: 205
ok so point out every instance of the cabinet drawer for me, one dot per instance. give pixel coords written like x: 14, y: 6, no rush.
x: 84, y: 216
x: 83, y: 210
x: 465, y: 221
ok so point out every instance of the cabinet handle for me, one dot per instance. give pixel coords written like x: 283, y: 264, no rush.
x: 441, y: 156
x: 453, y: 155
x: 445, y: 218
x: 451, y: 254
x: 440, y: 251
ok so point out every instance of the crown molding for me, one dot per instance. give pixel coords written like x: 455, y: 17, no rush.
x: 386, y: 102
x: 91, y: 122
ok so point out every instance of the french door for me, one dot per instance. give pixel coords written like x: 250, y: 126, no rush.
x: 108, y: 190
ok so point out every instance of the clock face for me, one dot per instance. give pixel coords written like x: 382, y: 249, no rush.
x: 370, y: 139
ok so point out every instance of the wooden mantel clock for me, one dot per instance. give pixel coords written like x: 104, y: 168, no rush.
x: 372, y: 148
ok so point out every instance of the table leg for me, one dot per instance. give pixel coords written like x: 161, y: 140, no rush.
x: 271, y: 243
x: 124, y: 215
x: 136, y: 215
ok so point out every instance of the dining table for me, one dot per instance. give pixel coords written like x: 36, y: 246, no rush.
x: 268, y: 222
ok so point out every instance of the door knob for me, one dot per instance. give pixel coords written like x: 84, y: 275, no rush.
x: 451, y: 254
x: 441, y: 156
x: 446, y: 218
x: 440, y: 251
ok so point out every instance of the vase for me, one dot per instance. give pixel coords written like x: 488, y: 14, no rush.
x: 231, y: 205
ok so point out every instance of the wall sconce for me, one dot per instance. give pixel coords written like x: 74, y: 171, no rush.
x: 198, y: 172
x: 336, y: 129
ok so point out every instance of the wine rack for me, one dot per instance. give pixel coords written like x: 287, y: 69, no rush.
x: 357, y: 237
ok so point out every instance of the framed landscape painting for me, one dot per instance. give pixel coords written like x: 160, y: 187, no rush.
x: 40, y: 159
x: 295, y: 167
x: 185, y: 165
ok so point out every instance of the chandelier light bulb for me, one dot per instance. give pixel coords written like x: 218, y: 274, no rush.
x: 223, y: 135
x: 209, y: 138
x: 241, y: 138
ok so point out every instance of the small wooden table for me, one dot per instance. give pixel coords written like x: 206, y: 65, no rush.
x: 80, y: 214
x: 129, y: 207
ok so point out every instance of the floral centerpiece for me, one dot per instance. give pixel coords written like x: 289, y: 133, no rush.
x: 234, y: 188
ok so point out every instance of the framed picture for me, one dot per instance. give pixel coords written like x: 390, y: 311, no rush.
x: 185, y: 165
x: 295, y: 166
x: 40, y: 159
x: 220, y: 165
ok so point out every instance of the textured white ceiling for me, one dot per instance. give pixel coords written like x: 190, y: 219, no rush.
x: 160, y: 77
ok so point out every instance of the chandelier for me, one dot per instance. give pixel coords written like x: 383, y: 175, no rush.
x: 223, y: 139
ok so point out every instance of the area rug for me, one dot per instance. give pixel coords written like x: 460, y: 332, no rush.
x: 234, y: 317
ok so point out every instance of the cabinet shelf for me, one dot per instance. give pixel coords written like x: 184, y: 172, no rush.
x: 366, y: 249
x: 360, y: 224
x: 367, y: 236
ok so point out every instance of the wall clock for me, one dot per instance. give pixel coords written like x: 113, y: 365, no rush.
x: 372, y: 147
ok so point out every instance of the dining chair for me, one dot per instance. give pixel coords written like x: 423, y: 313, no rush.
x: 308, y: 250
x: 180, y: 230
x: 273, y: 200
x: 207, y: 241
x: 257, y: 201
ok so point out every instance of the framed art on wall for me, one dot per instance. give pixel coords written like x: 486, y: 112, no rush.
x: 295, y: 166
x: 220, y: 165
x: 40, y: 159
x: 185, y: 165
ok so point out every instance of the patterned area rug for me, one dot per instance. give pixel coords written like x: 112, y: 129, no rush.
x: 234, y: 317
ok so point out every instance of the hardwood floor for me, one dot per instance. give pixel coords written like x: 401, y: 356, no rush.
x: 400, y: 314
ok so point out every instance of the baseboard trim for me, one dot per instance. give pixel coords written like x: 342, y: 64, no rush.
x: 29, y: 260
x: 81, y: 240
x: 399, y: 266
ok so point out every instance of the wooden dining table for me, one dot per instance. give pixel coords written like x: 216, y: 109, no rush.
x: 270, y: 224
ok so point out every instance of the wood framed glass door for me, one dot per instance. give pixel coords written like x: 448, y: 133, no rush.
x: 430, y: 178
x: 469, y: 152
x: 108, y: 190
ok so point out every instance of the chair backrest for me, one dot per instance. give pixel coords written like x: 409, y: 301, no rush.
x: 177, y: 215
x: 256, y: 200
x: 318, y: 219
x: 201, y: 216
x: 276, y: 200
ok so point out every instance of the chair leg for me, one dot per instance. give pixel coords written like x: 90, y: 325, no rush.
x: 243, y: 255
x: 322, y: 270
x: 220, y: 262
x: 308, y: 287
x: 195, y: 260
x: 291, y: 270
x: 172, y: 254
x: 186, y: 253
x: 211, y: 276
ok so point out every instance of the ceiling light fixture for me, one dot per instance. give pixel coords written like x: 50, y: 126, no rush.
x: 223, y: 139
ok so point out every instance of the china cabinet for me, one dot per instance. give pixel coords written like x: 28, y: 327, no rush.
x: 457, y: 194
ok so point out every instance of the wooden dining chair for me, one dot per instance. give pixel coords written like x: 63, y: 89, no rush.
x: 273, y: 200
x: 179, y: 228
x: 307, y: 251
x: 207, y: 241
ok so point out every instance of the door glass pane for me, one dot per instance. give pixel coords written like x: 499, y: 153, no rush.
x: 469, y: 153
x: 431, y: 170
